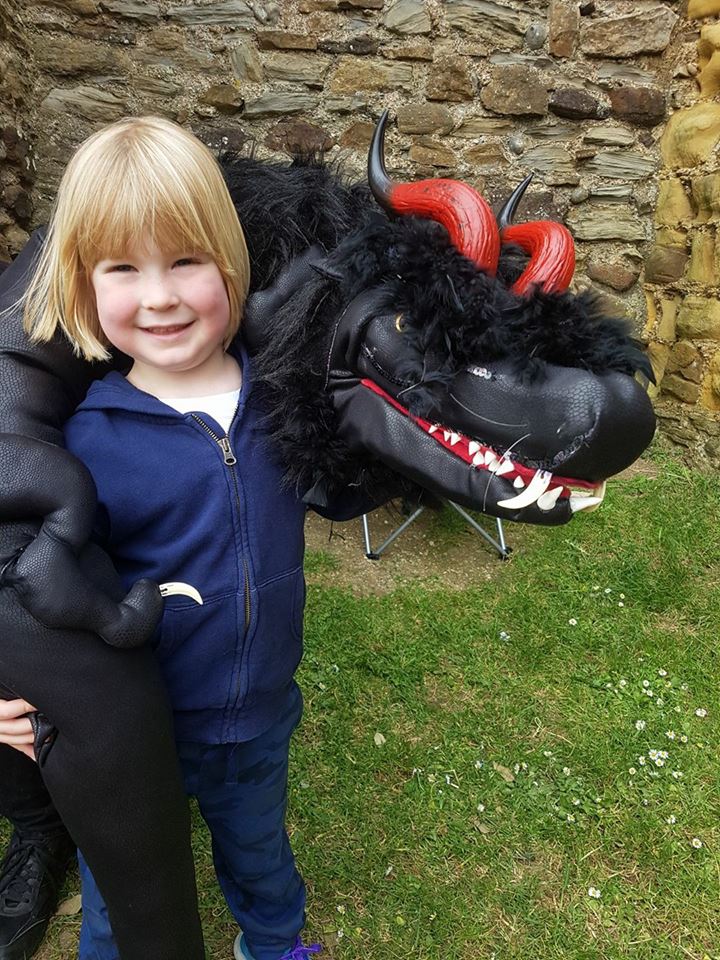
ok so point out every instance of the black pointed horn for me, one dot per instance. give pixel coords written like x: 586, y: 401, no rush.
x: 380, y: 182
x: 506, y: 215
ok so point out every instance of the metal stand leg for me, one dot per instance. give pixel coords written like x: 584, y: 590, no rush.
x: 375, y: 554
x: 499, y: 545
x: 501, y: 538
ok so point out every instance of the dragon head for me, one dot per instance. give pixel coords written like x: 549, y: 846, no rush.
x: 454, y: 354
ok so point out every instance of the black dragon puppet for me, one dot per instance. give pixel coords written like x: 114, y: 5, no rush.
x: 436, y: 343
x: 402, y: 338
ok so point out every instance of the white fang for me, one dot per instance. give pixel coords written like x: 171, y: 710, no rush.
x: 505, y: 466
x: 179, y: 589
x: 537, y: 486
x: 548, y: 499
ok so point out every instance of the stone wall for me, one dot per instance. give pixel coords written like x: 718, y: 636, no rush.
x: 577, y: 91
x: 16, y: 161
x: 682, y: 270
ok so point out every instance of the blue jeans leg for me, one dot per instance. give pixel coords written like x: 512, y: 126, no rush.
x: 241, y: 790
x: 96, y: 938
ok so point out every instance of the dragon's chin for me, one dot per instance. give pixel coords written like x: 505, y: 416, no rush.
x: 539, y: 487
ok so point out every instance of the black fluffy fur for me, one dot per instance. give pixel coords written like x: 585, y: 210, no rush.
x: 286, y: 208
x: 454, y: 314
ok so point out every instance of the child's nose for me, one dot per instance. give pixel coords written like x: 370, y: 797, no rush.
x: 159, y: 294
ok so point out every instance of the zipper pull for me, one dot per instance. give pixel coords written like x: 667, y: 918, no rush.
x: 228, y: 455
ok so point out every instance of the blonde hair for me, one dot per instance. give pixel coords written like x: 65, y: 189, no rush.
x: 138, y: 181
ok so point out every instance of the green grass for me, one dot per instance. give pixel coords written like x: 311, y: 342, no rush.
x: 462, y: 776
x: 319, y: 561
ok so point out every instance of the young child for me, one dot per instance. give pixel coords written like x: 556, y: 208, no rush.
x: 145, y: 254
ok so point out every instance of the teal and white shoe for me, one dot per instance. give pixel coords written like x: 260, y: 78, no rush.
x: 240, y: 949
x: 298, y: 952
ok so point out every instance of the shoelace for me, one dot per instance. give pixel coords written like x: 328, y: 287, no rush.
x: 300, y: 951
x: 21, y: 868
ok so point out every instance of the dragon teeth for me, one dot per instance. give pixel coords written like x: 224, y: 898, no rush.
x: 537, y: 486
x: 584, y: 503
x: 580, y: 502
x: 505, y: 466
x: 535, y: 492
x: 548, y: 499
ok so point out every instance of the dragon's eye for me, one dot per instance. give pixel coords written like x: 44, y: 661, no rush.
x: 400, y: 323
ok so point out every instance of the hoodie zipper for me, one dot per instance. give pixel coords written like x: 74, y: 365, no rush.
x: 230, y: 460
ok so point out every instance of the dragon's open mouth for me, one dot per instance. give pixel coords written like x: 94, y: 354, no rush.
x: 538, y: 487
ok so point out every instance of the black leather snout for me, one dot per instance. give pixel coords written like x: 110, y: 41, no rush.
x: 569, y: 421
x: 623, y: 427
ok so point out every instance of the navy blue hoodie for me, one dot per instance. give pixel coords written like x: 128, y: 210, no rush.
x: 174, y: 506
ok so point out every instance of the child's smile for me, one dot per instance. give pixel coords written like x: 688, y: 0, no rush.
x: 168, y: 330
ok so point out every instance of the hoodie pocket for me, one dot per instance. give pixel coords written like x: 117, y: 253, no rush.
x: 197, y: 652
x: 275, y: 647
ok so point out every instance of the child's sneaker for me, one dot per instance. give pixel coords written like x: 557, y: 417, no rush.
x: 298, y: 952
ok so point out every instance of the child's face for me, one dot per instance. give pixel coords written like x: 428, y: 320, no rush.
x: 167, y: 310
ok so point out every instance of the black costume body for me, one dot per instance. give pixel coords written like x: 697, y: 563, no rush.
x: 354, y: 300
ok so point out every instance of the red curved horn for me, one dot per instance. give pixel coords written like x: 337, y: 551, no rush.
x: 550, y: 245
x: 460, y: 209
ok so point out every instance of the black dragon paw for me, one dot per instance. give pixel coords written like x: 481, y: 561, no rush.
x: 61, y: 579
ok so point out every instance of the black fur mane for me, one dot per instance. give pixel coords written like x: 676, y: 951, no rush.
x: 285, y: 208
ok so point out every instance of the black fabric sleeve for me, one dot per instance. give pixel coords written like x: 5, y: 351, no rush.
x: 346, y: 505
x: 40, y: 383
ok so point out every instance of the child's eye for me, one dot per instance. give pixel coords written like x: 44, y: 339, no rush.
x: 185, y: 261
x: 121, y: 268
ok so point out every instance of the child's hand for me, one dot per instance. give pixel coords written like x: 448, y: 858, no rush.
x: 15, y: 729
